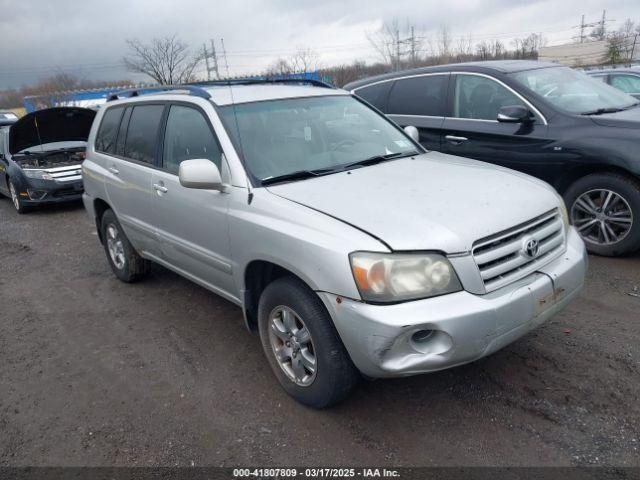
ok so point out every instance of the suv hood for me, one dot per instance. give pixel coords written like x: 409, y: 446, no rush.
x: 60, y: 124
x: 433, y: 202
x: 624, y: 119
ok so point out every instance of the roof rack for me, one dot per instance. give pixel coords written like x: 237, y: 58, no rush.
x: 135, y: 92
x: 263, y: 81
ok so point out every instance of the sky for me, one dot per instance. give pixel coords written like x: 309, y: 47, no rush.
x: 88, y: 37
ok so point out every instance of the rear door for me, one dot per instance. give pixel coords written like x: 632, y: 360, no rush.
x: 418, y: 100
x: 192, y: 224
x: 472, y: 130
x: 129, y: 136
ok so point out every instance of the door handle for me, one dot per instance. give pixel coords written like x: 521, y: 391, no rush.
x: 114, y: 170
x: 455, y: 140
x: 160, y: 188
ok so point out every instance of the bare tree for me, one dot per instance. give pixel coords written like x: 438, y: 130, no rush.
x: 385, y: 42
x: 528, y: 47
x: 443, y: 43
x: 304, y: 60
x: 167, y: 60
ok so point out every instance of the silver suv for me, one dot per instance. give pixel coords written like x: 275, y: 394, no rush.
x: 348, y: 247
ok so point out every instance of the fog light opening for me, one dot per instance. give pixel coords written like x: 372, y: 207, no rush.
x: 36, y: 194
x: 422, y: 336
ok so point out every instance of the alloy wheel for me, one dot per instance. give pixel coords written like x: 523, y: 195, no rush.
x: 602, y: 216
x: 292, y: 346
x: 115, y: 246
x: 14, y: 196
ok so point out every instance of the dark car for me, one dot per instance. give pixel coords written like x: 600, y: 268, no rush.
x: 41, y: 156
x: 625, y: 79
x: 577, y: 133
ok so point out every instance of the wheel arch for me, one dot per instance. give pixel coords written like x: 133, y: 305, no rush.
x: 565, y: 182
x: 99, y: 207
x: 257, y: 275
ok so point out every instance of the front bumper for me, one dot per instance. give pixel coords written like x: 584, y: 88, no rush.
x: 40, y: 192
x: 464, y: 326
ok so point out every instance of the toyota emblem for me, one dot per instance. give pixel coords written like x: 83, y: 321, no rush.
x: 531, y: 247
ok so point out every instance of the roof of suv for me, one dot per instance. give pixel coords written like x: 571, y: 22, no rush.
x: 223, y: 95
x: 226, y: 95
x: 502, y: 66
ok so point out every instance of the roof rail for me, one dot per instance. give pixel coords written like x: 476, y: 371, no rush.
x: 263, y: 81
x: 135, y: 92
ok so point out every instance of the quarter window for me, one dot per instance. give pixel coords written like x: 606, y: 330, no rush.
x: 418, y: 96
x: 626, y: 83
x: 142, y: 133
x: 376, y: 95
x: 480, y: 98
x: 188, y: 136
x: 106, y: 138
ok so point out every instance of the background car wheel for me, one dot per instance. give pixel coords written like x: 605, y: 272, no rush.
x: 302, y: 345
x: 605, y: 208
x: 123, y: 259
x: 15, y: 198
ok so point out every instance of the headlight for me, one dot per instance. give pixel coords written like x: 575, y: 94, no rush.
x: 394, y: 277
x: 41, y: 174
x: 562, y: 208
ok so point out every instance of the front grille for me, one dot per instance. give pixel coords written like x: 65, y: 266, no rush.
x: 69, y: 173
x: 501, y: 258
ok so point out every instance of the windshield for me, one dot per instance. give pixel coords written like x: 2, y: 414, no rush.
x: 280, y: 137
x: 574, y: 91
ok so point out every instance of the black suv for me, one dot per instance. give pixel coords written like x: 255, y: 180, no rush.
x: 575, y: 132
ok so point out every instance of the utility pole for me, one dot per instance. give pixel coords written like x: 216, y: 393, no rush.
x: 397, y: 49
x: 633, y: 49
x: 413, y: 47
x: 582, y: 26
x: 212, y: 67
x: 604, y: 19
x: 214, y: 57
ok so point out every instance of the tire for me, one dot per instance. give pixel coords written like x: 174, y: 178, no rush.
x: 19, y: 206
x: 334, y: 374
x: 125, y: 262
x: 614, y: 230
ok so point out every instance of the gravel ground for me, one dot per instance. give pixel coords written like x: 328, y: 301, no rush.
x: 96, y: 372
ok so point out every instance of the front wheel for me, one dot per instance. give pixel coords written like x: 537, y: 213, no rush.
x: 15, y: 198
x: 605, y: 209
x: 302, y: 345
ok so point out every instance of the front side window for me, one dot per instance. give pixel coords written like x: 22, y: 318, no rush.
x: 418, y: 96
x: 480, y: 98
x: 108, y: 132
x: 187, y: 137
x: 142, y: 134
x: 574, y: 91
x: 280, y: 137
x: 626, y: 83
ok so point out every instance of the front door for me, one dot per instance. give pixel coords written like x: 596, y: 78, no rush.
x: 473, y: 131
x: 192, y: 224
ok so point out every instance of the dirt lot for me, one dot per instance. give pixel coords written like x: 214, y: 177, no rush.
x: 96, y: 372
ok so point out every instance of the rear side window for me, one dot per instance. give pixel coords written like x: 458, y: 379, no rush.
x: 142, y: 134
x: 419, y: 96
x: 188, y: 137
x: 626, y: 83
x: 376, y: 95
x: 108, y: 132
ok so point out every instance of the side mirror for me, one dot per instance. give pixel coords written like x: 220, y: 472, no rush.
x: 515, y: 114
x: 202, y: 174
x: 412, y: 132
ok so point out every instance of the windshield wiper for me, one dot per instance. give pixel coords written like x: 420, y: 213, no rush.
x: 297, y: 175
x: 377, y: 159
x: 600, y: 111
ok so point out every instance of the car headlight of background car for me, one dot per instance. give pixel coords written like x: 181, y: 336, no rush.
x: 395, y: 277
x: 40, y: 174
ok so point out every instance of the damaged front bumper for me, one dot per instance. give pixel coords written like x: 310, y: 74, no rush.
x: 442, y: 332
